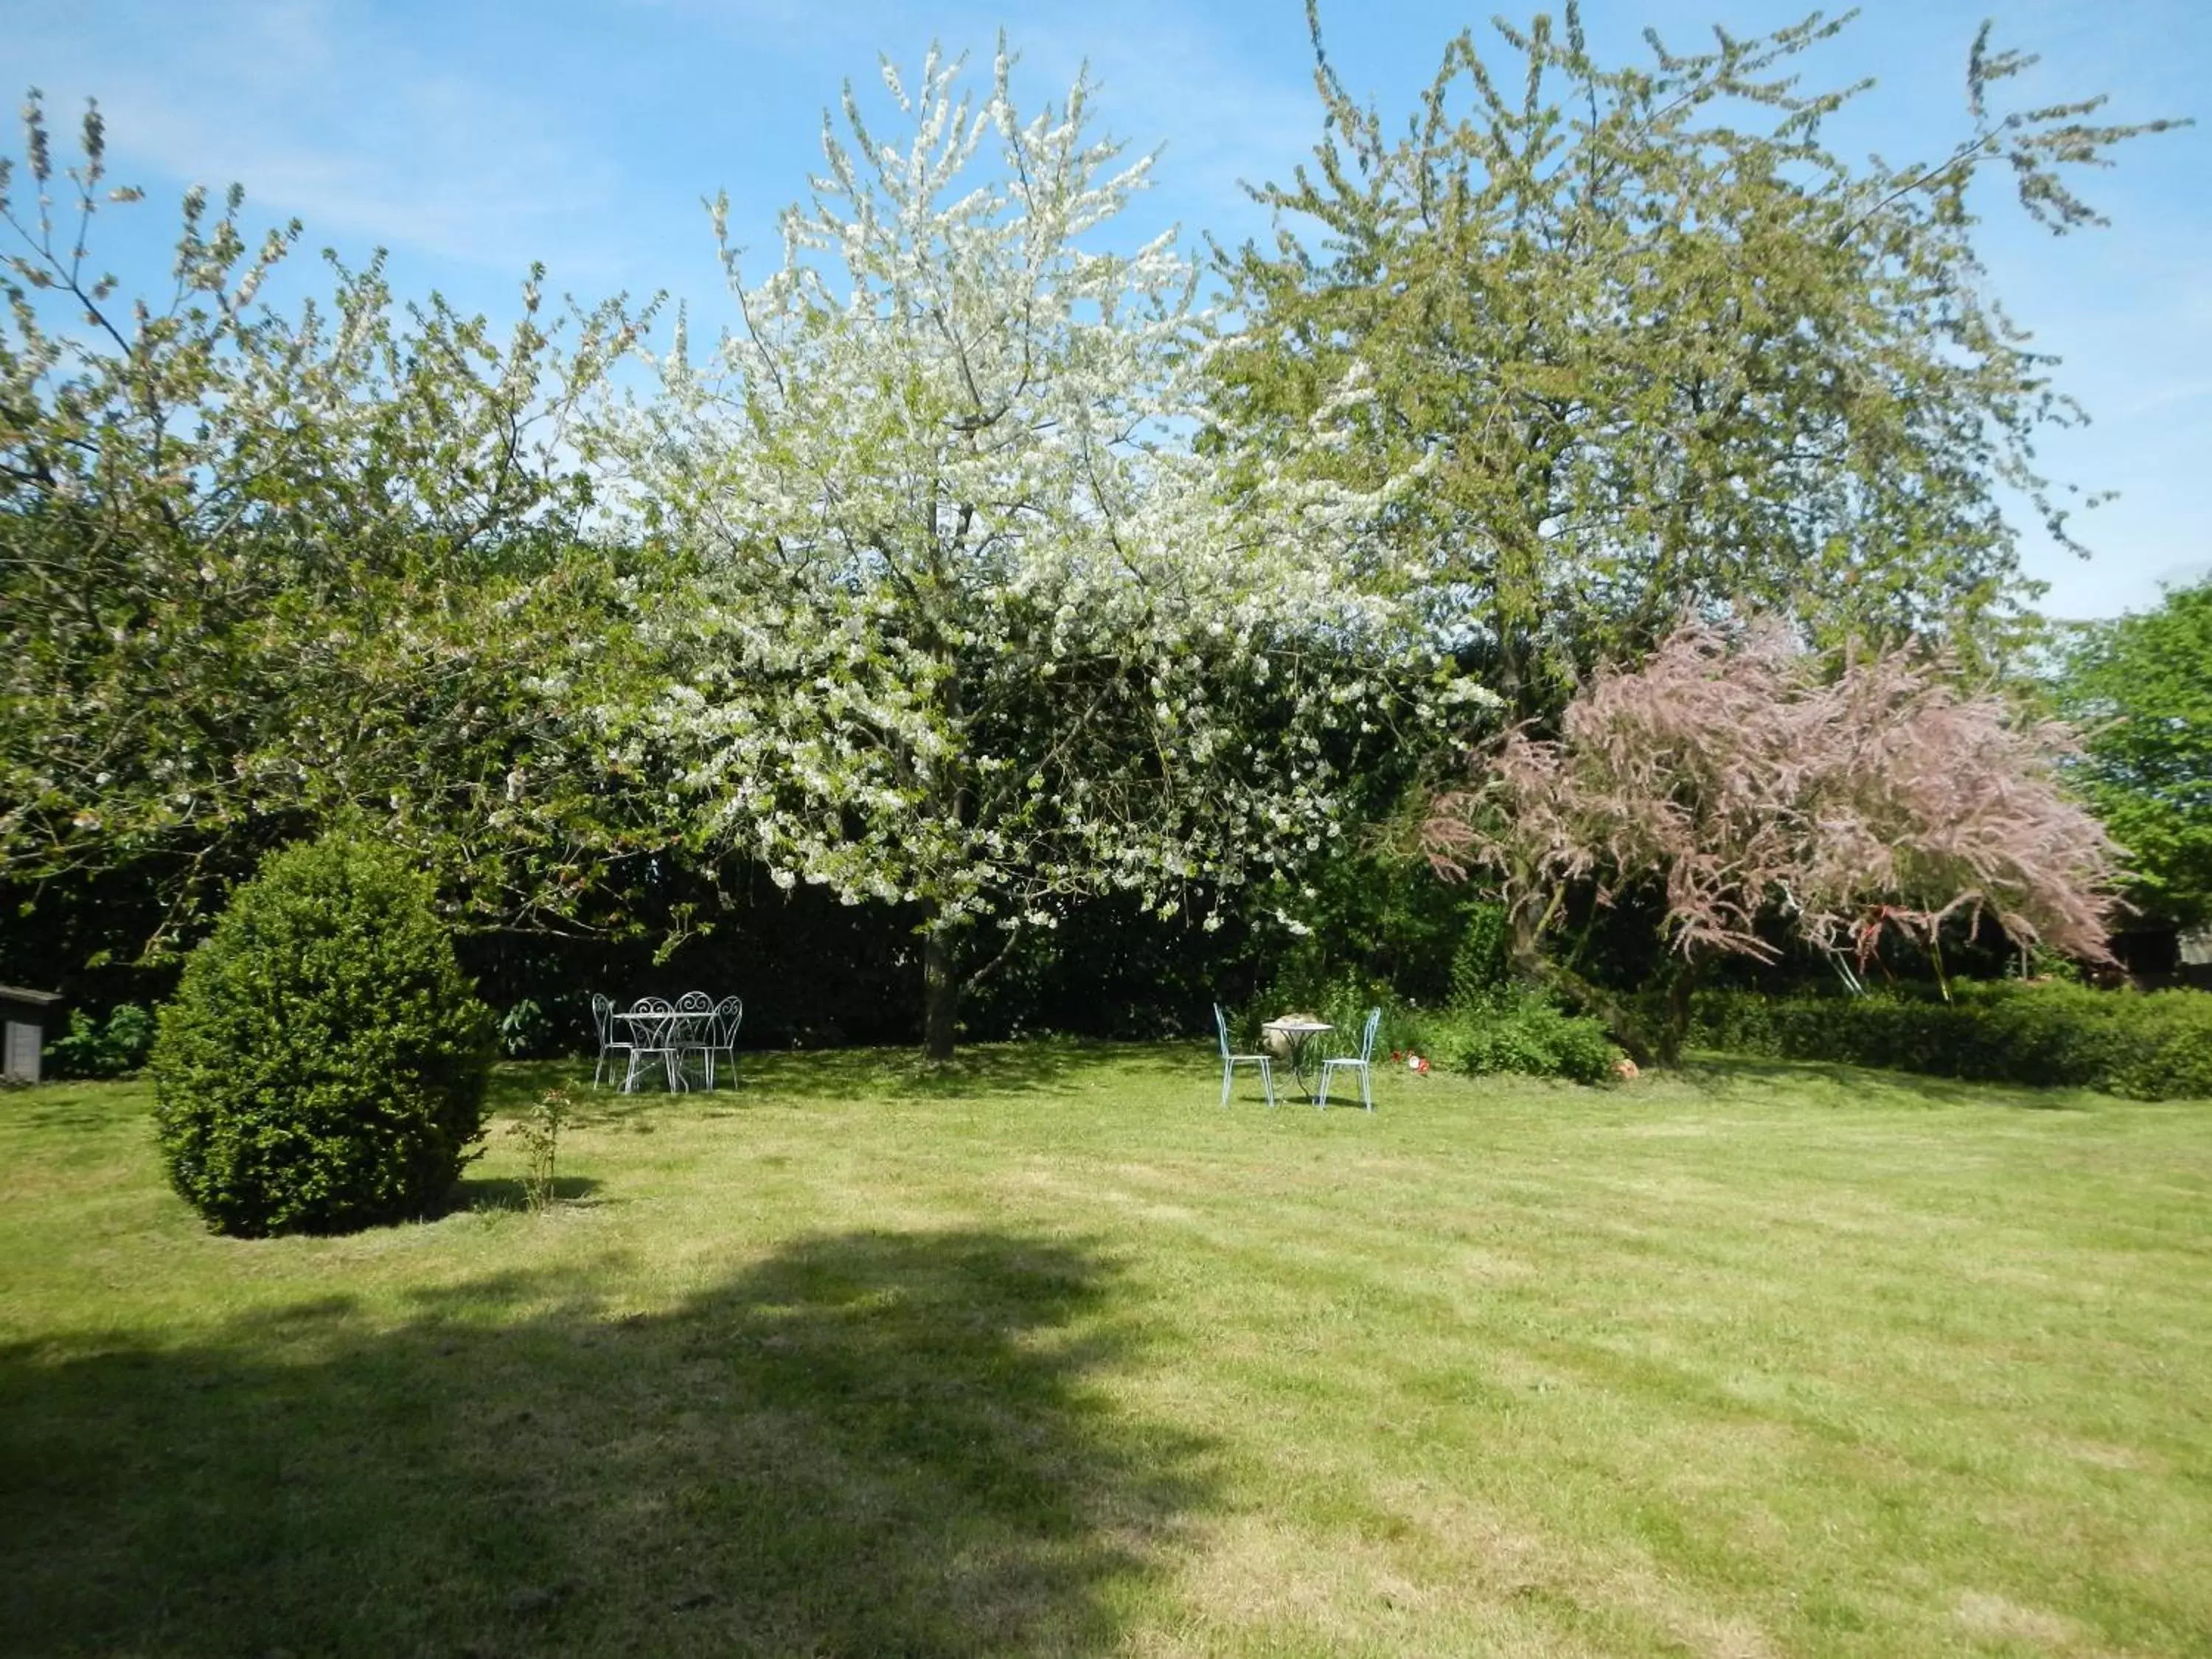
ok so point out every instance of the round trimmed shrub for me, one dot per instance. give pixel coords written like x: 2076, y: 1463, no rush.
x: 322, y: 1065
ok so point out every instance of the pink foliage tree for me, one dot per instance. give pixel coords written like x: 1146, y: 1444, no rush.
x: 1756, y: 783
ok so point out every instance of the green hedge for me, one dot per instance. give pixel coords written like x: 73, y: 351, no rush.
x: 1516, y: 1030
x: 2153, y: 1046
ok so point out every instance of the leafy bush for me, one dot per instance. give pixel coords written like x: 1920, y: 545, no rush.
x: 540, y: 1132
x: 1480, y: 967
x: 1519, y: 1029
x: 2166, y: 1053
x: 322, y: 1065
x: 1373, y: 919
x: 1492, y: 1024
x: 92, y: 1048
x: 2154, y: 1046
x: 524, y: 1032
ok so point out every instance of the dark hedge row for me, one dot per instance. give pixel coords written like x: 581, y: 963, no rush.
x: 2146, y: 1046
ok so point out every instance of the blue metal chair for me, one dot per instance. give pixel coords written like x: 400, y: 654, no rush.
x: 1230, y: 1061
x: 1362, y: 1063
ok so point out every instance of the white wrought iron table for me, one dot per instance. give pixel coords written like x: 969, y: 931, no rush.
x: 665, y: 1031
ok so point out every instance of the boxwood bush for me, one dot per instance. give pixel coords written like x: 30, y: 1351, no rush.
x: 2152, y: 1045
x: 322, y: 1065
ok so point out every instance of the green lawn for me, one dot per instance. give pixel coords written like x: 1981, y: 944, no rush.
x: 1053, y: 1356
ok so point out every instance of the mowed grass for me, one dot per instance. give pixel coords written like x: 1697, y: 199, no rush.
x: 1050, y: 1355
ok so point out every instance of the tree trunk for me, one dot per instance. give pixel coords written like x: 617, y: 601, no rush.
x: 1675, y: 1034
x: 1622, y: 1023
x: 940, y: 992
x: 1524, y: 938
x: 1524, y: 944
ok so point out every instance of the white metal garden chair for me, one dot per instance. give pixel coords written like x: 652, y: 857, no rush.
x: 729, y: 1014
x: 694, y: 1032
x: 1231, y: 1061
x: 603, y: 1022
x: 1362, y: 1063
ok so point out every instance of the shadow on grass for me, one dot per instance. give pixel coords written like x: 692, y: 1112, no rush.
x: 481, y: 1193
x: 817, y: 1075
x: 867, y: 1443
x: 811, y: 1077
x: 76, y: 1105
x: 998, y: 1068
x: 1869, y: 1085
x: 516, y: 1085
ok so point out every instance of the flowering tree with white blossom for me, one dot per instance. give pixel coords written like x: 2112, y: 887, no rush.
x: 266, y: 566
x: 978, y: 629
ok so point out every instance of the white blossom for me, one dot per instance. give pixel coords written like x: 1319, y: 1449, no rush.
x: 979, y: 629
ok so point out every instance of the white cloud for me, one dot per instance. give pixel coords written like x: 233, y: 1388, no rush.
x: 358, y: 130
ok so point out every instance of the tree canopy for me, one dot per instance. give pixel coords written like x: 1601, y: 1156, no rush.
x: 263, y: 567
x: 1656, y: 344
x: 1759, y: 786
x: 2140, y: 687
x: 977, y: 631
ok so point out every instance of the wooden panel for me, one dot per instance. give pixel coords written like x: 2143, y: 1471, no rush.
x: 22, y: 1053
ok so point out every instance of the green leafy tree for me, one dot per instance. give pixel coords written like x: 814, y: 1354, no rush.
x: 262, y: 568
x: 2140, y: 688
x: 978, y: 632
x: 1653, y: 344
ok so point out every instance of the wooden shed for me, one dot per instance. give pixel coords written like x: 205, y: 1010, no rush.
x: 24, y: 1017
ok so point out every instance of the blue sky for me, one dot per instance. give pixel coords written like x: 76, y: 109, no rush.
x: 470, y: 139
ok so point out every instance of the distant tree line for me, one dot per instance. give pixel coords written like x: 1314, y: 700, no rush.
x: 980, y: 633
